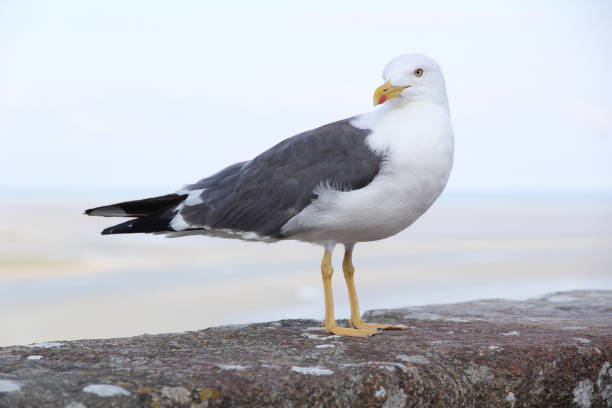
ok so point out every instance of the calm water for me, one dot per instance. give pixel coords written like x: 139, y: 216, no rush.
x: 59, y: 279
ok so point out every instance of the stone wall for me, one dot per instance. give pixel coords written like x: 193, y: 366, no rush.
x: 550, y: 352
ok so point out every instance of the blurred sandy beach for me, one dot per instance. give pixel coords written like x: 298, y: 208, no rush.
x: 60, y: 279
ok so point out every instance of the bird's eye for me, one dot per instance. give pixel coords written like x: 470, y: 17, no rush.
x: 418, y: 72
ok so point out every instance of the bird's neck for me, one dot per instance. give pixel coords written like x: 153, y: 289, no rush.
x: 398, y: 111
x: 403, y: 133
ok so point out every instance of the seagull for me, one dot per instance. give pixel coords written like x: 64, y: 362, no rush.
x: 360, y: 179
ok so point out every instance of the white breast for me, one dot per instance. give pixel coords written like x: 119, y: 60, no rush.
x: 417, y: 142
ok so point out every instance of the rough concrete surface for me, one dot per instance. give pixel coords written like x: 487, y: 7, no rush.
x: 554, y: 351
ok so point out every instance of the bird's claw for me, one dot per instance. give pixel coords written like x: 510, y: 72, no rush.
x: 351, y: 332
x: 360, y: 324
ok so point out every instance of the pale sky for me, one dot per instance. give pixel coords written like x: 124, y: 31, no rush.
x: 148, y: 96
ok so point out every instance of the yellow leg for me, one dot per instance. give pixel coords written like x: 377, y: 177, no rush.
x: 356, y: 321
x: 330, y: 322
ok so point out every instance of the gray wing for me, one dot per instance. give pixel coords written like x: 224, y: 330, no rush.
x: 262, y: 194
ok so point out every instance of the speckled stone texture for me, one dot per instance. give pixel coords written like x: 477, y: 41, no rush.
x: 554, y: 351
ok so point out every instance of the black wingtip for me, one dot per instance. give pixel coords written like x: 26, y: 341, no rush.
x: 123, y: 228
x: 138, y: 208
x: 146, y: 224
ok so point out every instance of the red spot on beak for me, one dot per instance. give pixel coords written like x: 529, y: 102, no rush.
x: 382, y: 99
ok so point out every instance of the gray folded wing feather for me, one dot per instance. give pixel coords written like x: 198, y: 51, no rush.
x: 262, y: 194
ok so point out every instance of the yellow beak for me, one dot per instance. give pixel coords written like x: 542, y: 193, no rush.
x: 385, y: 92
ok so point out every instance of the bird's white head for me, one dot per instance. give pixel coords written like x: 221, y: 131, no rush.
x: 411, y: 77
